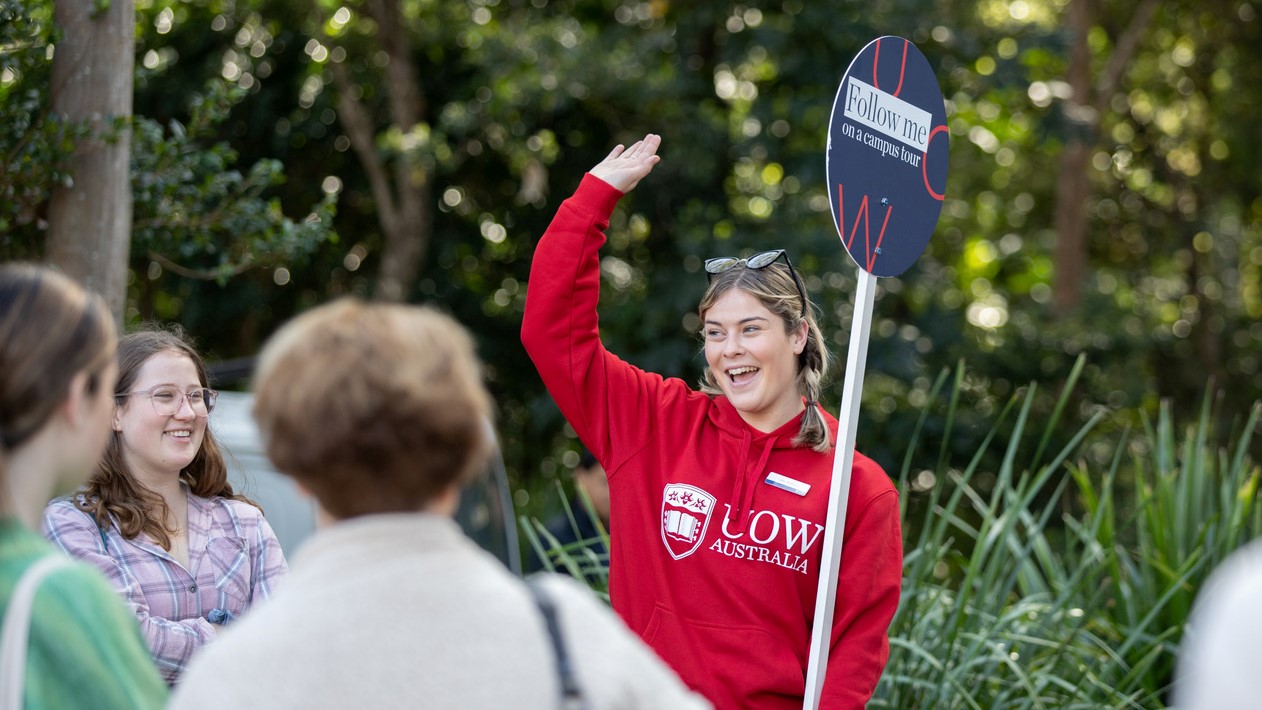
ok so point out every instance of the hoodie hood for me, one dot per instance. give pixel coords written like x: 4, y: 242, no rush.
x: 758, y: 448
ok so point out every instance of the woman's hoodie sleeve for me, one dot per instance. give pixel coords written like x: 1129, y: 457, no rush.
x: 603, y: 398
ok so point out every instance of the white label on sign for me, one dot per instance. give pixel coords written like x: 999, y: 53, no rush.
x: 887, y: 114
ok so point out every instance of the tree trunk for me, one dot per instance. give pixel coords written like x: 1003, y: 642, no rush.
x: 402, y: 194
x: 89, y: 222
x: 1071, y: 181
x: 1082, y: 123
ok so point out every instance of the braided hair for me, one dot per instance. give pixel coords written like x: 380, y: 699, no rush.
x: 774, y: 287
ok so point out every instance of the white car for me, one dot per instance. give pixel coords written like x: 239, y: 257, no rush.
x: 485, y: 513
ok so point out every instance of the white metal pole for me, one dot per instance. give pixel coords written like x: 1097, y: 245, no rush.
x: 839, y: 492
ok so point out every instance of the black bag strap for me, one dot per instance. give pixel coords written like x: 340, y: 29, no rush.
x: 571, y: 695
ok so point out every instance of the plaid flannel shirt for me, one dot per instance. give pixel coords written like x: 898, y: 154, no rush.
x: 234, y: 561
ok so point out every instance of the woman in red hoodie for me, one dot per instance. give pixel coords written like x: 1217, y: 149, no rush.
x: 719, y: 496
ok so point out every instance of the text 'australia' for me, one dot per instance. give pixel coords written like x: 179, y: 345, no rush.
x: 768, y: 538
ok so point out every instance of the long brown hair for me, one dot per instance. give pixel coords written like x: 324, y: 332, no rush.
x: 51, y: 329
x: 774, y: 287
x: 112, y: 490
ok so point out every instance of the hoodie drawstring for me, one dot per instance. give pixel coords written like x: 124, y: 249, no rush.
x: 747, y: 482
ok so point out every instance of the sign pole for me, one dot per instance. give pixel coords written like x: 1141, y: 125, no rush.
x: 887, y: 166
x: 839, y: 491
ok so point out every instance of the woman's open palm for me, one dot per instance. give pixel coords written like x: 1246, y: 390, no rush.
x: 623, y: 169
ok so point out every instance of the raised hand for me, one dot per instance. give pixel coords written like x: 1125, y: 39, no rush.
x: 623, y: 169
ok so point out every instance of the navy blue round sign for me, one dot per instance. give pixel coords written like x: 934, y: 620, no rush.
x: 887, y: 156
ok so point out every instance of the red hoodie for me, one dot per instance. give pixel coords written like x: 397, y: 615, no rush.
x: 711, y: 565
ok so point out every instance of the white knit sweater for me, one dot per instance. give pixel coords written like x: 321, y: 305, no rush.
x: 404, y: 611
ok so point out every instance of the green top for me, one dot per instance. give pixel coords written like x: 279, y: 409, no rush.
x: 85, y: 647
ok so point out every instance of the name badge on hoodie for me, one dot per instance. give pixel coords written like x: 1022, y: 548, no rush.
x: 787, y: 484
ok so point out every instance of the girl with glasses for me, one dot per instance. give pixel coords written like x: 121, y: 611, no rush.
x: 159, y: 516
x: 719, y: 496
x: 79, y: 647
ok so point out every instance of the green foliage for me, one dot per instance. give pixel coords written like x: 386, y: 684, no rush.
x: 520, y: 98
x: 34, y: 145
x: 1173, y: 216
x: 201, y: 218
x: 194, y: 212
x: 1061, y: 584
x: 577, y: 559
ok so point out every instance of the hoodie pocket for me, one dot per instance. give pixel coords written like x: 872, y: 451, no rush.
x: 749, y: 665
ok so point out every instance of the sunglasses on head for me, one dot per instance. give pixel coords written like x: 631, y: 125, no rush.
x: 719, y: 264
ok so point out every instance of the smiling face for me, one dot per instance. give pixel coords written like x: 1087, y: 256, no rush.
x: 753, y: 360
x: 155, y: 446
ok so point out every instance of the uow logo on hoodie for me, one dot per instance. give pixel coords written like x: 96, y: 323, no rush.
x: 764, y: 528
x: 685, y: 518
x: 777, y: 538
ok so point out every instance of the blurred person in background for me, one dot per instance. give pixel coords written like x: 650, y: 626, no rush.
x: 79, y: 647
x: 379, y: 411
x: 578, y: 533
x: 159, y: 517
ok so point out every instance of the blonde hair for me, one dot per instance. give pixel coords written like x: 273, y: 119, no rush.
x: 373, y: 407
x: 51, y: 329
x: 774, y: 287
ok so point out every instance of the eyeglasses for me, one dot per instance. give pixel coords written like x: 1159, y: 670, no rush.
x: 168, y: 400
x: 762, y: 260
